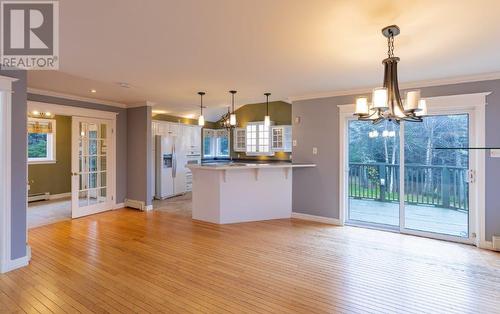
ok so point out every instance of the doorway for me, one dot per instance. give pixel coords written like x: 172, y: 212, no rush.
x: 83, y: 164
x: 416, y: 178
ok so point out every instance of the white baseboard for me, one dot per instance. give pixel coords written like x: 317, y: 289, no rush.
x: 59, y: 196
x: 148, y: 208
x: 326, y: 220
x: 17, y: 263
x: 119, y: 206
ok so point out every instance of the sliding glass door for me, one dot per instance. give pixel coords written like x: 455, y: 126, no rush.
x: 436, y: 179
x: 374, y: 153
x: 431, y: 197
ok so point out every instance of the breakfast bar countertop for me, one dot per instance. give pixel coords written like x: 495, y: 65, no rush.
x: 240, y: 165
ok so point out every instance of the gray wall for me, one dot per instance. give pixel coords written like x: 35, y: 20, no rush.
x: 316, y: 191
x: 19, y: 157
x: 139, y: 154
x: 121, y: 136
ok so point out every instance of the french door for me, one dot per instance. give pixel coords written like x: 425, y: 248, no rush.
x: 91, y: 168
x: 414, y: 178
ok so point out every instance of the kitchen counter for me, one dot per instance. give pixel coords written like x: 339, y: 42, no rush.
x: 249, y: 165
x: 240, y: 192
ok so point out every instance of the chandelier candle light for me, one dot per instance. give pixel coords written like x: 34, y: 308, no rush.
x: 386, y: 101
x: 201, y: 119
x: 267, y: 118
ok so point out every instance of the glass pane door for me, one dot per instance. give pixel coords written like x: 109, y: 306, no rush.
x: 90, y: 166
x: 436, y: 175
x: 373, y: 181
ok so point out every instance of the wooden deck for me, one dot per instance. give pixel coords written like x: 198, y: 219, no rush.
x: 128, y: 261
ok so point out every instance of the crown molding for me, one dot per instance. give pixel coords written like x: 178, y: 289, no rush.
x: 77, y: 98
x: 142, y: 104
x: 408, y: 85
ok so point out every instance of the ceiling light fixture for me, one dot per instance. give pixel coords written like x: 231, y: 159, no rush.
x: 267, y: 118
x: 201, y: 119
x: 386, y: 101
x: 232, y: 117
x: 93, y: 91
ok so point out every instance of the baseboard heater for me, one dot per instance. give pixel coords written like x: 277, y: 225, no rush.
x: 496, y: 242
x: 140, y: 205
x: 39, y: 197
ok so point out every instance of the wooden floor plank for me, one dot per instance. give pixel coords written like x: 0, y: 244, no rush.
x: 127, y: 261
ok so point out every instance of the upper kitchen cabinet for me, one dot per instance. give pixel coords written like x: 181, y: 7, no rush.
x: 239, y: 138
x: 281, y: 138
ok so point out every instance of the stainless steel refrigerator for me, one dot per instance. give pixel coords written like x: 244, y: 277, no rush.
x: 170, y: 165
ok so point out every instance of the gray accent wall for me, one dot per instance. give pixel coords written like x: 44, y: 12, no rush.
x: 121, y: 135
x: 139, y: 154
x: 19, y: 170
x: 316, y: 191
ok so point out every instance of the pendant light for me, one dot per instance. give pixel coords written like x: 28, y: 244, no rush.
x: 386, y: 101
x: 201, y: 119
x: 232, y: 117
x: 267, y: 118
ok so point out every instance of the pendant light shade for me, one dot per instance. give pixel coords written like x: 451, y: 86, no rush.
x: 201, y: 119
x: 232, y: 117
x: 267, y: 118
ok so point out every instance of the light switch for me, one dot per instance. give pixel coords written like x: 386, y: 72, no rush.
x: 297, y: 120
x: 315, y: 150
x: 495, y: 153
x: 294, y: 143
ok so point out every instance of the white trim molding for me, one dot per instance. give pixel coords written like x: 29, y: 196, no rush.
x: 473, y: 104
x: 402, y: 86
x: 326, y: 220
x: 70, y: 110
x: 43, y: 92
x: 6, y: 263
x: 17, y: 263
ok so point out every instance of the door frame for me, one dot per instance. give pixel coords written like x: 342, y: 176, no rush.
x: 110, y: 183
x: 473, y: 104
x: 91, y: 114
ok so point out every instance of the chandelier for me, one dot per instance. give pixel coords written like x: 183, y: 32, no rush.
x: 225, y: 120
x: 386, y: 101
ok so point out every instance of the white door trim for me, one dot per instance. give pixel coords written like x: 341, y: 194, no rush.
x: 6, y: 263
x: 474, y: 103
x: 70, y: 110
x: 87, y: 113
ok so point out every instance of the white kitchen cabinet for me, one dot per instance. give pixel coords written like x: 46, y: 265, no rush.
x: 239, y: 140
x: 281, y: 138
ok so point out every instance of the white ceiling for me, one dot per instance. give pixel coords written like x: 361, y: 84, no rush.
x: 168, y: 50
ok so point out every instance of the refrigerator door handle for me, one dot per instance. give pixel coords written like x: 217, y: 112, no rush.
x: 174, y: 161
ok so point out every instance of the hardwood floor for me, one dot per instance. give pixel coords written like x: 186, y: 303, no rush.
x: 128, y: 261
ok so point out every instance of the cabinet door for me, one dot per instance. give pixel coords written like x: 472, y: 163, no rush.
x: 281, y: 138
x: 277, y: 138
x: 287, y: 138
x: 174, y: 129
x: 239, y: 140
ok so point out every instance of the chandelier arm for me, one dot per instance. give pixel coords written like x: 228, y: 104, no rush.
x: 395, y: 87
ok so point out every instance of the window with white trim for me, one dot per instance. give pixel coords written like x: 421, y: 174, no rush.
x: 257, y: 139
x: 215, y: 143
x: 41, y: 140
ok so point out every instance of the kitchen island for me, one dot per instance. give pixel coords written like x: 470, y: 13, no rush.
x: 242, y: 192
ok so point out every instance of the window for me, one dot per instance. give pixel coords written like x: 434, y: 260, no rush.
x: 215, y: 143
x: 41, y: 141
x: 258, y: 139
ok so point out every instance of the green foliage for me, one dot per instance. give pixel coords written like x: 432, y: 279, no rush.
x: 37, y: 145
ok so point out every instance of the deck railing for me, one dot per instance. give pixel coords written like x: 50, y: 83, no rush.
x: 441, y: 186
